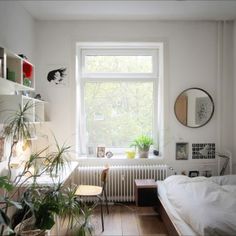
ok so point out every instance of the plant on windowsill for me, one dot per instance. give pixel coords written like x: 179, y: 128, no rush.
x: 142, y: 143
x: 36, y: 205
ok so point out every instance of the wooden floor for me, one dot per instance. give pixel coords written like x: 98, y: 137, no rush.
x: 127, y: 219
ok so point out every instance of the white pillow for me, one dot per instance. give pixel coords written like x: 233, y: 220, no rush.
x: 224, y: 180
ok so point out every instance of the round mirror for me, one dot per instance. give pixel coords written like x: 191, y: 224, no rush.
x: 194, y: 107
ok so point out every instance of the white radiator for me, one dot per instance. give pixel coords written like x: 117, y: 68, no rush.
x: 120, y: 182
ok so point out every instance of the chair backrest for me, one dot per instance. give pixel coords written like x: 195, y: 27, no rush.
x: 104, y: 177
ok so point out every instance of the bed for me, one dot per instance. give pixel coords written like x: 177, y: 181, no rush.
x: 198, y: 206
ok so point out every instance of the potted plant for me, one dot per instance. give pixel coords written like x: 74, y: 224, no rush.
x: 37, y: 205
x: 142, y: 143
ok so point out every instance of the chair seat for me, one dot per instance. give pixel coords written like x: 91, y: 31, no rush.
x: 88, y: 190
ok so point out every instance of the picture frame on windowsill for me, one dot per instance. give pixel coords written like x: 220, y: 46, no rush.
x: 101, y: 151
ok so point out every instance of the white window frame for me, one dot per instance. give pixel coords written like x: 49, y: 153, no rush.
x: 119, y: 52
x: 84, y: 49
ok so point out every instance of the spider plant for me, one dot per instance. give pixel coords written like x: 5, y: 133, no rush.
x: 58, y: 158
x: 37, y: 205
x: 70, y: 207
x: 142, y: 143
x: 16, y: 128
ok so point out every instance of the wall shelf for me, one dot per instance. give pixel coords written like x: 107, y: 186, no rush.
x: 16, y: 73
x: 11, y: 103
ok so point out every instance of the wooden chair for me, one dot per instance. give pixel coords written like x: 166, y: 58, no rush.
x: 95, y: 191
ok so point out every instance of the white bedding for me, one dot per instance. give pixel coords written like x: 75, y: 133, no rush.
x: 181, y: 226
x: 208, y: 205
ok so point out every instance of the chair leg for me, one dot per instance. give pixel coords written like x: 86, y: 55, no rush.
x: 100, y: 199
x: 105, y: 194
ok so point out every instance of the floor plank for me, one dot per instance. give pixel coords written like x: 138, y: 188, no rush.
x: 125, y: 220
x: 129, y: 222
x: 112, y: 222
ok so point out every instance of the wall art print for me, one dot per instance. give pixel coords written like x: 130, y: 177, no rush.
x: 203, y: 109
x: 197, y: 147
x: 57, y: 75
x: 182, y: 151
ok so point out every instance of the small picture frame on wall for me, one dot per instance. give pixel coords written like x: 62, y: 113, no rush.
x: 57, y: 75
x: 193, y: 173
x: 182, y: 151
x: 101, y: 151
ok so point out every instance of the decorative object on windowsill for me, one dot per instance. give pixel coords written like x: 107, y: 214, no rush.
x: 203, y: 150
x: 101, y: 151
x: 181, y: 151
x: 142, y: 143
x: 109, y: 154
x: 155, y: 152
x: 130, y: 154
x: 193, y: 173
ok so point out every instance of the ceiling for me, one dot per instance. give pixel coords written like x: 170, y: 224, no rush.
x: 132, y: 10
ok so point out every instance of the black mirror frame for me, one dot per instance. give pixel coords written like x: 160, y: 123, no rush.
x: 213, y: 107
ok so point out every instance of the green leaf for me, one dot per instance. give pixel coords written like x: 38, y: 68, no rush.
x: 16, y: 204
x: 5, y: 183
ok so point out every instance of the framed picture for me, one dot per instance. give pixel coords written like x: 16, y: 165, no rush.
x: 203, y: 110
x: 57, y: 75
x: 101, y: 151
x: 181, y: 151
x: 193, y: 173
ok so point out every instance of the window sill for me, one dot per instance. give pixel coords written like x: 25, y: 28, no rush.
x: 119, y: 157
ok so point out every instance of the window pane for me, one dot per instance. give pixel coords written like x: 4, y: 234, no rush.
x: 118, y: 112
x: 118, y: 64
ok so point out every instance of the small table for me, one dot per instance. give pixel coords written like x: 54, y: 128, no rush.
x: 145, y: 192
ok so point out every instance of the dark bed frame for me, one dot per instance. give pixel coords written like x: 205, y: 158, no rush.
x: 171, y: 228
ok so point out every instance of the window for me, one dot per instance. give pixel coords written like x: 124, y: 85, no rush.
x: 118, y: 95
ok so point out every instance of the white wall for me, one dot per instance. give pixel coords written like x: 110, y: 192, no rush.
x: 16, y: 29
x: 190, y: 61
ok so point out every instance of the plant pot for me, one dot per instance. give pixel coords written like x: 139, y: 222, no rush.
x: 26, y: 228
x: 143, y: 153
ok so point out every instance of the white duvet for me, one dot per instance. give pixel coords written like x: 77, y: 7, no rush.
x: 208, y: 205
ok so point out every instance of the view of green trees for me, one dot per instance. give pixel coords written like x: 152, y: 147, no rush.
x: 118, y: 112
x: 118, y: 64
